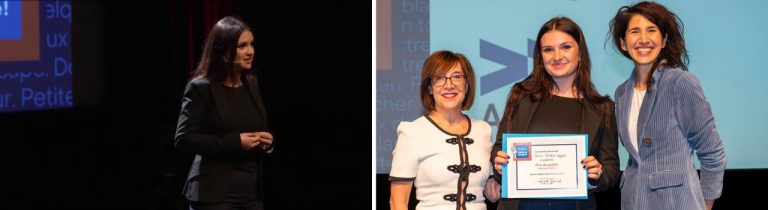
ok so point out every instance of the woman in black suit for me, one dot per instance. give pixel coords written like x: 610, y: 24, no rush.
x: 224, y: 123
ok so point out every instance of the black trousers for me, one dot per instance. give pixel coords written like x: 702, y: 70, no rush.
x: 242, y: 194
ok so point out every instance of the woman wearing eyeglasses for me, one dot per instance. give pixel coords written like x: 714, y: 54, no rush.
x: 444, y: 153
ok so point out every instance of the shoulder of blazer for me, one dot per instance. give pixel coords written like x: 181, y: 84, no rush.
x: 674, y: 76
x: 201, y: 86
x: 200, y: 81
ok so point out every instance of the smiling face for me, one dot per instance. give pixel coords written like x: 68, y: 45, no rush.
x: 244, y: 56
x: 449, y: 89
x: 560, y: 54
x: 643, y: 41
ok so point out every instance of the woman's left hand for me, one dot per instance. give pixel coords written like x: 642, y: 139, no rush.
x: 266, y: 140
x: 594, y: 168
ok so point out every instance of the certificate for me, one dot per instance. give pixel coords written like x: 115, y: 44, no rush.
x: 544, y: 166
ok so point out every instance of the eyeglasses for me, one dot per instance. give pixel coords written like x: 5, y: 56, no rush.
x: 456, y: 79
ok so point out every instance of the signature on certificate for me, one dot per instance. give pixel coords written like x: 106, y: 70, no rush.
x: 549, y: 180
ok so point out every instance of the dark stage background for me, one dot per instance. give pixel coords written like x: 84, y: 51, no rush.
x: 114, y: 150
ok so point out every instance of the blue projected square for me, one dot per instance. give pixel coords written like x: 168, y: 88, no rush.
x: 10, y: 20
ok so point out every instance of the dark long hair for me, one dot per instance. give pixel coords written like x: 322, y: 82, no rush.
x: 674, y: 53
x: 220, y: 48
x: 539, y: 84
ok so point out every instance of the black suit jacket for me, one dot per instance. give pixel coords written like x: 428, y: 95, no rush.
x: 201, y: 131
x: 603, y: 144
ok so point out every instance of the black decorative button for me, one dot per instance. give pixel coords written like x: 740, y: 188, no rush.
x: 459, y: 169
x: 453, y: 197
x: 471, y: 197
x: 450, y: 197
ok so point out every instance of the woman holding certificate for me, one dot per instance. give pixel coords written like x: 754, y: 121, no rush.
x: 663, y: 116
x: 444, y: 153
x: 558, y: 97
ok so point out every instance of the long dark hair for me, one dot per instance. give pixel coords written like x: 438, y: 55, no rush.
x: 220, y: 48
x: 674, y: 53
x: 539, y: 84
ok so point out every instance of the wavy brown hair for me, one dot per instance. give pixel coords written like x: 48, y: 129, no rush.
x: 674, y: 53
x: 539, y: 84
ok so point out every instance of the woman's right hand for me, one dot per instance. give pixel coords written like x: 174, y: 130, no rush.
x: 501, y: 159
x: 249, y: 140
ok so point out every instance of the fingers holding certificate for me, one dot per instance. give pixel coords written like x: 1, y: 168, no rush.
x: 545, y: 166
x: 594, y: 168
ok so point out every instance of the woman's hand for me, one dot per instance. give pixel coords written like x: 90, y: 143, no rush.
x: 250, y: 140
x: 501, y: 159
x: 265, y: 139
x: 594, y: 168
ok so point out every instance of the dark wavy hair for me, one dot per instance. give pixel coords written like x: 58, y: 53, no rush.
x: 220, y: 49
x: 674, y: 53
x: 539, y: 84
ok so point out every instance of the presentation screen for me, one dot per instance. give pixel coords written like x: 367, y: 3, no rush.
x: 725, y: 41
x: 35, y: 55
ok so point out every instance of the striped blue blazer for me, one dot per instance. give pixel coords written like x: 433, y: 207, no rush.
x: 675, y: 121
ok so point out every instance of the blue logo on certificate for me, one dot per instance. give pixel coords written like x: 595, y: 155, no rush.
x: 522, y: 151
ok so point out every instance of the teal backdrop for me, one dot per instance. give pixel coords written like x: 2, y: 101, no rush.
x: 726, y: 40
